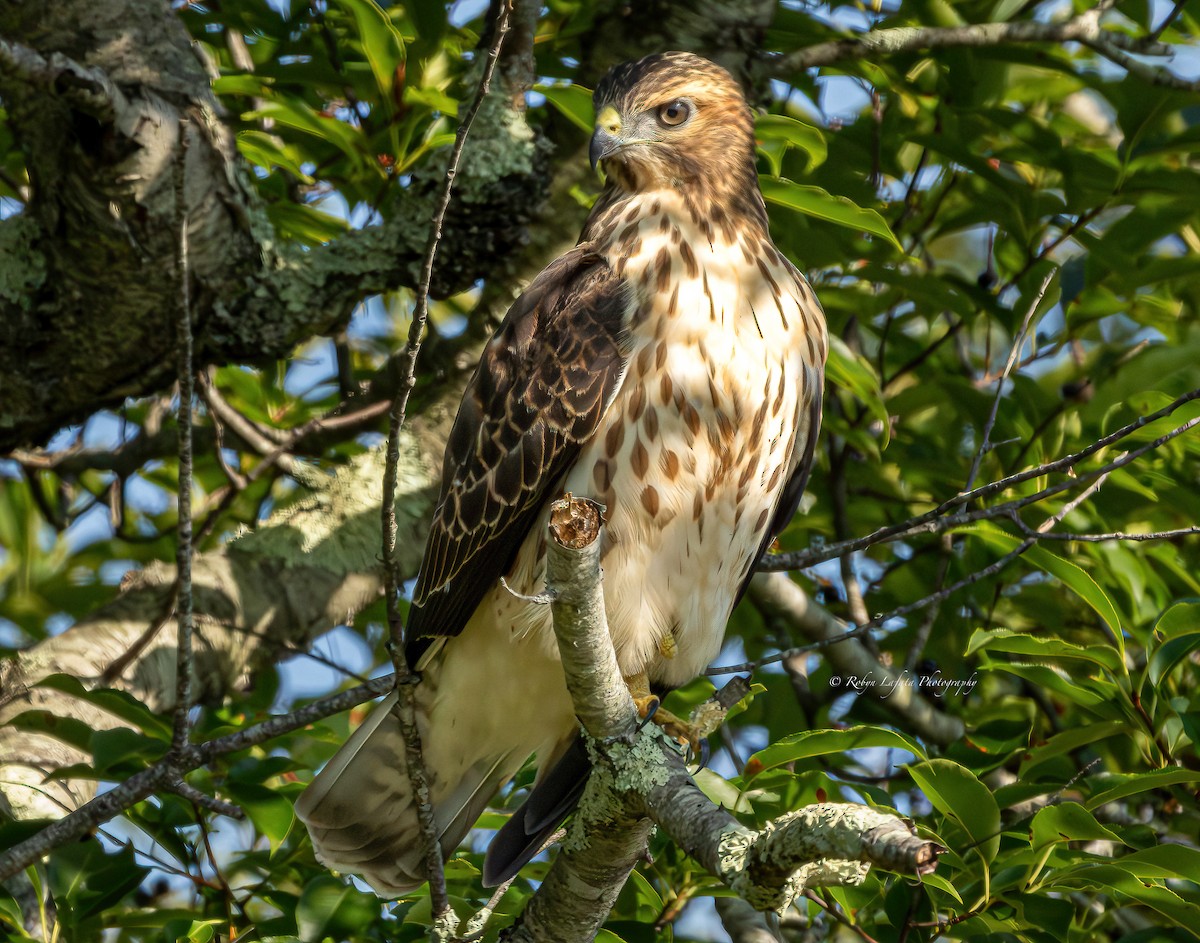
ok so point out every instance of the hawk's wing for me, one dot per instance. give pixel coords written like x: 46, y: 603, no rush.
x: 541, y: 389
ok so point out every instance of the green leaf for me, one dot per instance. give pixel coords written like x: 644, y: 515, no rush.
x: 265, y: 151
x: 821, y: 204
x: 295, y: 113
x: 721, y: 791
x: 1047, y: 647
x: 1070, y: 740
x: 382, y: 43
x: 90, y: 880
x: 1168, y: 655
x: 1121, y: 785
x: 810, y: 743
x: 122, y: 750
x: 1068, y: 821
x: 270, y: 811
x: 1180, y: 619
x: 959, y: 795
x: 10, y: 916
x: 67, y: 729
x: 574, y: 102
x: 118, y: 703
x: 305, y: 223
x: 327, y: 907
x: 942, y: 884
x: 793, y: 133
x: 856, y: 375
x: 1069, y: 573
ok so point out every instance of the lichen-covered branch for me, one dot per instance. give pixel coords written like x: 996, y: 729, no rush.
x: 92, y: 253
x: 639, y: 776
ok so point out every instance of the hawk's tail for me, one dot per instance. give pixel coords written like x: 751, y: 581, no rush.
x: 530, y: 827
x: 362, y: 815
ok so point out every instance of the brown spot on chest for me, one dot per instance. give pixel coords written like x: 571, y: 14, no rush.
x: 643, y: 360
x: 639, y: 459
x: 650, y: 500
x: 669, y: 461
x: 650, y: 423
x: 690, y: 266
x: 602, y: 475
x: 666, y: 387
x: 614, y: 438
x: 637, y: 402
x: 662, y: 264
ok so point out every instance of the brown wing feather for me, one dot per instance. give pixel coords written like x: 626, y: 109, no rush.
x: 540, y: 391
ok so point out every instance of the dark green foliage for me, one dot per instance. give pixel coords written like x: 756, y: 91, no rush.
x: 929, y: 224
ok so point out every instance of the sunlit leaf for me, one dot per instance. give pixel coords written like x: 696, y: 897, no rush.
x: 819, y: 203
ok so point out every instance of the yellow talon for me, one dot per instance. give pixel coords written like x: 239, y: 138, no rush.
x: 648, y: 705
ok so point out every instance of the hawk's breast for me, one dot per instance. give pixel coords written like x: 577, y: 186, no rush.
x: 704, y: 432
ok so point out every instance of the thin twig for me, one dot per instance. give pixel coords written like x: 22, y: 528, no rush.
x: 1114, y: 535
x: 405, y: 709
x: 883, y: 43
x: 1013, y: 353
x: 185, y: 609
x: 1148, y: 74
x: 205, y: 801
x: 1170, y: 18
x: 168, y: 771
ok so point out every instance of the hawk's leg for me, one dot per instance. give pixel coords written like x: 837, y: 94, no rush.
x: 649, y: 707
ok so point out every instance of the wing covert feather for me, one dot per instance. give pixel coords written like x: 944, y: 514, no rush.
x: 540, y: 391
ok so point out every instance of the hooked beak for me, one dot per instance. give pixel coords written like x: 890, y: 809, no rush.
x: 607, y: 139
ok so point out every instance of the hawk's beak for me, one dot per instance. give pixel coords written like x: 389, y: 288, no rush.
x: 607, y: 139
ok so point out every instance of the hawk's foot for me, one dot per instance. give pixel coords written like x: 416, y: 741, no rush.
x: 649, y: 708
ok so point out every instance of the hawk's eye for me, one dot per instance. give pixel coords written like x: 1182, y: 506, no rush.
x: 674, y: 113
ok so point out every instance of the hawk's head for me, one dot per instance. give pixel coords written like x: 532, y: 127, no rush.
x: 673, y: 120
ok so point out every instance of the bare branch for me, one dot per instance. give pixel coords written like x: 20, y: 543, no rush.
x: 1026, y: 530
x: 1162, y: 78
x: 1085, y: 28
x: 1096, y: 480
x: 185, y: 609
x: 205, y: 801
x: 1014, y: 351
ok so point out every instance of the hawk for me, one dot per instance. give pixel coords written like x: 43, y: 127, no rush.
x: 670, y: 366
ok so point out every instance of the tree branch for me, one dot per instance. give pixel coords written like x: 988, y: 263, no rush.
x: 185, y: 608
x: 779, y: 597
x: 310, y: 567
x: 96, y: 240
x: 1085, y: 28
